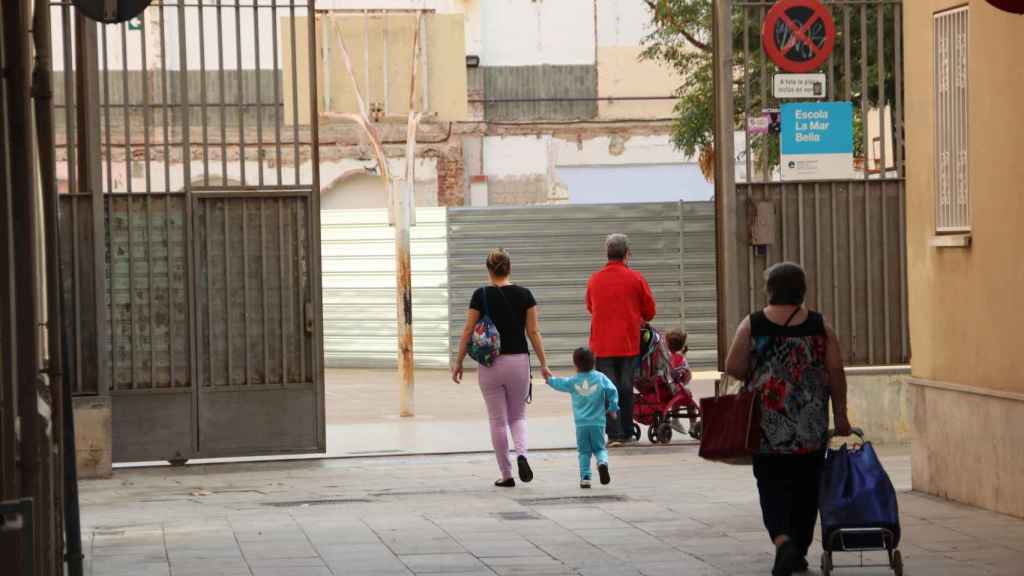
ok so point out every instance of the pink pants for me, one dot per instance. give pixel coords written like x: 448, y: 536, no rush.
x: 505, y: 386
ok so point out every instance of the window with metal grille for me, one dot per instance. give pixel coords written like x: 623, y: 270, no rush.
x: 952, y: 199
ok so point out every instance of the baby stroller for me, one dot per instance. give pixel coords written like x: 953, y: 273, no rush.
x: 661, y: 397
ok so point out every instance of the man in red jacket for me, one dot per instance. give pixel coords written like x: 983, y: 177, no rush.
x: 619, y: 301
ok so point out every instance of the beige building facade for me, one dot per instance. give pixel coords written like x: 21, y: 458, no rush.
x: 964, y: 86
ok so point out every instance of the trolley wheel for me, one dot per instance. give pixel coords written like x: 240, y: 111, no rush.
x: 665, y: 433
x: 652, y: 433
x: 897, y: 563
x: 697, y: 430
x: 636, y: 431
x: 826, y: 563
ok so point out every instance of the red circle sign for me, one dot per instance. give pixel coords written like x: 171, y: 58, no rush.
x: 798, y: 35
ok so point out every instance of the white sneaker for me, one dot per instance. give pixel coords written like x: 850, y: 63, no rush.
x: 585, y: 483
x: 677, y: 425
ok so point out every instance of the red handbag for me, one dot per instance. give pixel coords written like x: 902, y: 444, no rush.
x: 732, y: 426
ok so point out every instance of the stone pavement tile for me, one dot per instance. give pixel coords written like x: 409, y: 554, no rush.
x: 512, y: 546
x: 693, y: 567
x: 625, y: 536
x: 579, y: 555
x: 376, y: 566
x: 528, y: 566
x: 613, y: 570
x: 411, y: 543
x: 739, y: 561
x: 130, y: 567
x: 576, y: 518
x: 647, y: 553
x: 441, y: 563
x: 711, y: 546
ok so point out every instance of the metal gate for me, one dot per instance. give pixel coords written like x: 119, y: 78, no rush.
x: 848, y: 234
x: 210, y: 211
x: 555, y: 249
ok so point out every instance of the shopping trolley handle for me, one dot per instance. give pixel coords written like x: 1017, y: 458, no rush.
x: 853, y: 432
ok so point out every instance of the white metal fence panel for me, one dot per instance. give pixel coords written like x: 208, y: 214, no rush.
x: 360, y: 317
x: 555, y: 249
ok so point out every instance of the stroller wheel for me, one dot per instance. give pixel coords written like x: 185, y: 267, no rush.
x: 665, y: 433
x: 636, y: 431
x: 697, y: 430
x: 652, y: 433
x: 897, y: 563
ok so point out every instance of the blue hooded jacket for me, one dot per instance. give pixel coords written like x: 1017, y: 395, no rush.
x: 593, y: 395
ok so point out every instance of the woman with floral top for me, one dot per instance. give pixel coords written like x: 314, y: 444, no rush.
x: 791, y: 356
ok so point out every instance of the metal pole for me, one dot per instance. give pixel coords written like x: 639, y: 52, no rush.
x: 23, y: 216
x: 405, y: 205
x: 726, y: 238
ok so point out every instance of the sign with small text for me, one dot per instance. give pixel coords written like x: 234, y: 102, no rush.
x: 799, y: 86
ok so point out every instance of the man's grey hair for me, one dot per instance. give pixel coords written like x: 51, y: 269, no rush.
x: 617, y: 246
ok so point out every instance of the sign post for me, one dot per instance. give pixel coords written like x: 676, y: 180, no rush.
x: 798, y: 35
x: 817, y: 141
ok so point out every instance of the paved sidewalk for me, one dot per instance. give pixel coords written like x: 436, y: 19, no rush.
x: 666, y: 512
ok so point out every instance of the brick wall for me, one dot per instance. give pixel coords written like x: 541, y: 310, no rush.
x: 451, y: 187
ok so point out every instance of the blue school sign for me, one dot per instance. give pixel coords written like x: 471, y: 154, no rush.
x: 816, y: 141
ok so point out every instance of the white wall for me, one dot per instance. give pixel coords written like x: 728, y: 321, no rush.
x: 622, y: 23
x: 529, y: 33
x: 516, y: 155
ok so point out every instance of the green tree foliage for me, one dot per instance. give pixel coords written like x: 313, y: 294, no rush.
x: 681, y: 38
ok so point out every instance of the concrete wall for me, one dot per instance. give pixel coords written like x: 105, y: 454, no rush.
x: 524, y: 33
x: 93, y: 436
x: 621, y: 28
x: 538, y: 168
x: 965, y: 314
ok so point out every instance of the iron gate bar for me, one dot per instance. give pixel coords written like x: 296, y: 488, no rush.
x: 259, y: 140
x: 277, y: 110
x: 71, y: 140
x: 149, y: 211
x: 221, y: 97
x: 263, y: 293
x: 203, y: 100
x: 167, y: 199
x: 898, y: 124
x: 295, y: 82
x: 209, y: 299
x: 241, y: 120
x: 186, y: 137
x: 864, y: 92
x: 884, y: 168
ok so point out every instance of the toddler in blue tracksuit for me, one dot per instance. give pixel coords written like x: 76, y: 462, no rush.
x: 593, y: 395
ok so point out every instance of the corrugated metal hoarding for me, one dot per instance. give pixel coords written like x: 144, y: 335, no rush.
x: 555, y: 249
x: 358, y: 255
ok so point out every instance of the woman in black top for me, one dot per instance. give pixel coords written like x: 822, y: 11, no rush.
x: 505, y: 384
x: 792, y: 357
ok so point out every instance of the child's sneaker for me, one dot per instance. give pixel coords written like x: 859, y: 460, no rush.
x: 677, y: 425
x: 585, y: 484
x: 602, y: 471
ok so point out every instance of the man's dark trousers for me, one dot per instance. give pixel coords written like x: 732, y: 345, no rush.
x: 619, y: 369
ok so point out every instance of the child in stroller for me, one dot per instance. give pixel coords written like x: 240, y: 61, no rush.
x: 661, y: 376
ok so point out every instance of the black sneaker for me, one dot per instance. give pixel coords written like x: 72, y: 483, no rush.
x: 509, y: 483
x: 525, y: 472
x: 602, y: 471
x: 787, y: 559
x: 802, y: 566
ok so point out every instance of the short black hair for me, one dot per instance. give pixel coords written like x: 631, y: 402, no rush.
x: 583, y: 359
x: 786, y: 284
